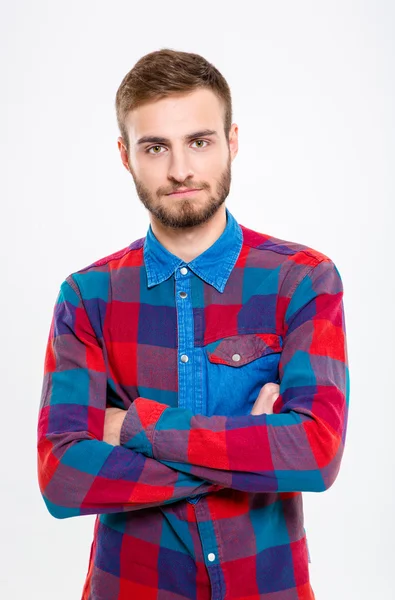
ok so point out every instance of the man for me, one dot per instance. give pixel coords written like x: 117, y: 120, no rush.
x: 196, y: 382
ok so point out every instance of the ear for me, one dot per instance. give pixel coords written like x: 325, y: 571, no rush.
x: 123, y: 152
x: 233, y: 140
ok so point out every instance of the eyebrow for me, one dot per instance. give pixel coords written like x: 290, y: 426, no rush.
x: 163, y: 140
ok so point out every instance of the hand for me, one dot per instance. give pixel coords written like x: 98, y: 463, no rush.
x: 112, y: 425
x: 266, y: 398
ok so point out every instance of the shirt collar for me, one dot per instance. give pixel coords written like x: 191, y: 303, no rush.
x: 214, y: 265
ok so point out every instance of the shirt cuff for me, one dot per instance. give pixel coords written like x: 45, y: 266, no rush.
x: 139, y: 425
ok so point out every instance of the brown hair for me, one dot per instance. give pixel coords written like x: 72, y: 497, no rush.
x: 163, y: 72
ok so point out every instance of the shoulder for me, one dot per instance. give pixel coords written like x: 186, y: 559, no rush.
x: 282, y: 250
x: 289, y: 249
x: 288, y: 261
x: 115, y: 259
x: 93, y: 279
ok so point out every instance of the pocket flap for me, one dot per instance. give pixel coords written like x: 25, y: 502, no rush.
x: 238, y: 350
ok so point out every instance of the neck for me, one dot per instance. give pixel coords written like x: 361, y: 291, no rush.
x: 188, y: 243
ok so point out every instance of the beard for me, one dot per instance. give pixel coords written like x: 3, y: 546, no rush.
x: 181, y: 212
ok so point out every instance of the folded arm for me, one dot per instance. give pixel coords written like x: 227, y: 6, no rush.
x: 300, y: 446
x: 78, y: 472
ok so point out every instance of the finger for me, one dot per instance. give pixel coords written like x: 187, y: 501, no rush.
x: 271, y: 387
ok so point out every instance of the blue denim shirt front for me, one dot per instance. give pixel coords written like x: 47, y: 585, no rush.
x: 213, y: 387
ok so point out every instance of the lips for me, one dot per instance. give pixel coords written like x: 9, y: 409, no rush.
x: 183, y: 192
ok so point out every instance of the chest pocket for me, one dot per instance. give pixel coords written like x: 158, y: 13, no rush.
x: 237, y: 367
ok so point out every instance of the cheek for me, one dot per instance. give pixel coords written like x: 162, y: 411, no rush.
x: 152, y: 177
x: 214, y: 166
x: 144, y: 167
x: 209, y: 172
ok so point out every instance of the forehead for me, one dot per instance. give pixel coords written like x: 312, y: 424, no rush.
x: 176, y: 115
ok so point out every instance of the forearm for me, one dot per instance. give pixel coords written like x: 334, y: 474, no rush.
x: 79, y: 475
x: 256, y: 453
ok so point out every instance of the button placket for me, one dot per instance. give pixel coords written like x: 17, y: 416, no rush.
x: 209, y: 543
x: 185, y: 342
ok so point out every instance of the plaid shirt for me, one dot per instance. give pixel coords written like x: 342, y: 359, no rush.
x: 201, y: 500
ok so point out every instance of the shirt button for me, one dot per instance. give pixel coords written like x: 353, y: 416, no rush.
x: 184, y: 358
x: 236, y: 357
x: 183, y: 270
x: 211, y: 556
x: 183, y: 294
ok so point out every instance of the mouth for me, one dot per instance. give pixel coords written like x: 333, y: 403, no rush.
x: 184, y: 193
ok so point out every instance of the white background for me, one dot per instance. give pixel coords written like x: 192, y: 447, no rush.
x: 313, y: 96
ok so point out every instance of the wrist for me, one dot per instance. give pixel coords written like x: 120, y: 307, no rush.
x: 138, y: 426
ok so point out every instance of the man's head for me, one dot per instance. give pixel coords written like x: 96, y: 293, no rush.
x: 175, y: 118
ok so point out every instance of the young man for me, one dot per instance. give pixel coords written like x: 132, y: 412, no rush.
x: 196, y: 382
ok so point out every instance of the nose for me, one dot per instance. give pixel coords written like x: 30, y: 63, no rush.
x: 180, y: 167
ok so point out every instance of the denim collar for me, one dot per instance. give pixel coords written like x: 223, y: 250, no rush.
x: 214, y: 265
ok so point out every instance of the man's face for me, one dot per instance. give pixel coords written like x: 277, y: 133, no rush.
x: 172, y: 161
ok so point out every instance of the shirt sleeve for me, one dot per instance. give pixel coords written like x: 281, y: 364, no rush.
x: 78, y: 472
x: 300, y: 446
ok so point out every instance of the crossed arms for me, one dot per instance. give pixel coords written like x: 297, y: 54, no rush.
x: 167, y: 454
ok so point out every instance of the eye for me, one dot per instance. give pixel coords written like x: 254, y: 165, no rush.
x: 204, y: 141
x: 157, y: 146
